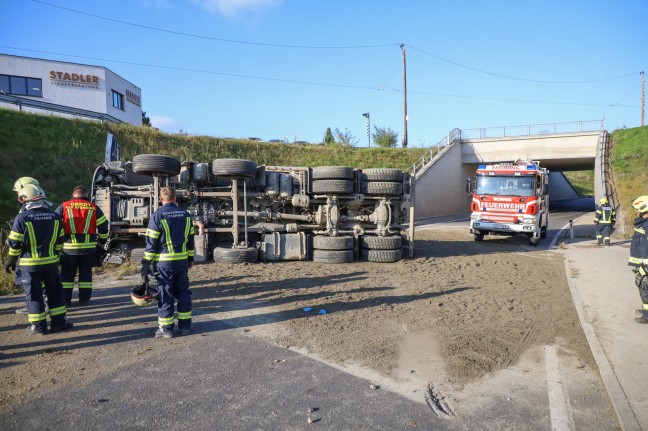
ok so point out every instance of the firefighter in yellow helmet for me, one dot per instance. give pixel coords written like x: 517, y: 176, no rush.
x: 639, y: 254
x: 604, y: 220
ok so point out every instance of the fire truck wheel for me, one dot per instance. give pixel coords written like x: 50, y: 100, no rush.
x: 234, y: 167
x: 381, y: 242
x: 381, y: 188
x: 384, y: 256
x: 235, y: 255
x: 333, y: 186
x: 322, y: 242
x: 332, y: 256
x: 151, y: 164
x: 136, y: 255
x: 479, y: 237
x: 533, y: 241
x: 332, y: 173
x: 382, y: 174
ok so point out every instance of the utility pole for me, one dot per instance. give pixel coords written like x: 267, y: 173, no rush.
x: 404, y: 97
x: 366, y: 115
x: 643, y: 97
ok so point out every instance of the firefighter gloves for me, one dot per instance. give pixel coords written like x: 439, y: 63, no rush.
x: 146, y: 269
x: 10, y: 264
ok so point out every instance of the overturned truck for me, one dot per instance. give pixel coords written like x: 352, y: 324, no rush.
x: 244, y: 213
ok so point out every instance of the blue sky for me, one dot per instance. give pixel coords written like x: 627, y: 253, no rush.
x: 288, y: 69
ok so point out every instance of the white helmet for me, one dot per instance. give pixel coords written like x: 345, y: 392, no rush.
x: 30, y: 192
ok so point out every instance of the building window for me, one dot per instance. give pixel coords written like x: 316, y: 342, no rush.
x: 118, y: 100
x: 21, y: 86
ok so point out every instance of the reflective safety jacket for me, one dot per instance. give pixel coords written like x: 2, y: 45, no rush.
x: 83, y: 222
x: 170, y: 236
x: 36, y: 237
x: 639, y: 244
x: 605, y: 214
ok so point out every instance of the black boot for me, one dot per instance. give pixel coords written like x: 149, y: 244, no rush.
x: 643, y: 318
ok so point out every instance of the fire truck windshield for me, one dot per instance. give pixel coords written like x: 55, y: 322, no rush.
x: 505, y: 185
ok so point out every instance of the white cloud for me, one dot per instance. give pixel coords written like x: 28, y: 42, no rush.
x: 167, y: 124
x: 232, y: 8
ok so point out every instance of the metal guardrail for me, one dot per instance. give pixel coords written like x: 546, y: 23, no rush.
x: 53, y: 107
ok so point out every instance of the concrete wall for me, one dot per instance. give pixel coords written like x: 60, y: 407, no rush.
x: 560, y: 188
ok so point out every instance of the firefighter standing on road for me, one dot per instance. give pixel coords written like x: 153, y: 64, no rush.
x: 35, y: 238
x: 604, y: 219
x: 83, y: 223
x: 170, y: 247
x: 639, y: 253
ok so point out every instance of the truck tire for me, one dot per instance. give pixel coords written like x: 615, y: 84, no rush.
x: 384, y: 256
x: 479, y: 237
x: 332, y: 173
x: 533, y: 241
x: 322, y: 242
x: 394, y: 242
x: 234, y: 167
x: 382, y: 174
x: 235, y: 255
x: 152, y: 164
x: 381, y: 188
x: 136, y: 255
x: 332, y: 256
x: 333, y: 186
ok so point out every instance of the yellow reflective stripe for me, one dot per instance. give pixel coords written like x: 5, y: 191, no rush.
x: 636, y: 260
x: 32, y: 238
x: 14, y: 252
x: 61, y: 232
x: 188, y: 225
x: 152, y: 233
x: 166, y: 257
x: 184, y: 316
x: 167, y: 234
x: 36, y: 317
x: 645, y: 307
x: 72, y: 226
x: 165, y: 321
x: 85, y: 285
x: 58, y: 311
x: 15, y: 236
x: 78, y: 245
x: 190, y: 253
x: 640, y: 230
x: 103, y: 235
x: 68, y: 285
x: 149, y: 255
x: 86, y: 228
x: 26, y: 261
x: 54, y: 238
x: 102, y: 220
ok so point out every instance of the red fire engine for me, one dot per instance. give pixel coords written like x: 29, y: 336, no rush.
x: 510, y: 199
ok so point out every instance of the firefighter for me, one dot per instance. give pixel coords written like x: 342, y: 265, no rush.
x: 84, y: 224
x: 604, y: 220
x: 639, y: 254
x: 34, y: 244
x: 18, y: 186
x: 170, y: 249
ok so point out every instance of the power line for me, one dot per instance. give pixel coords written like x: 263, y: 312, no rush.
x: 324, y: 84
x: 198, y: 36
x: 517, y: 78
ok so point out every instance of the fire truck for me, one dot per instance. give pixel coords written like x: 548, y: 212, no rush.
x: 510, y: 199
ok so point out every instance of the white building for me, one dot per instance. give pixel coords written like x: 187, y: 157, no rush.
x: 69, y: 89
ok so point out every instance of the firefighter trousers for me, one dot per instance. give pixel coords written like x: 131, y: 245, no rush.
x: 33, y: 282
x: 603, y: 231
x: 173, y: 284
x: 72, y: 263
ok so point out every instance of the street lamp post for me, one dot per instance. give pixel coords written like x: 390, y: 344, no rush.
x: 368, y: 121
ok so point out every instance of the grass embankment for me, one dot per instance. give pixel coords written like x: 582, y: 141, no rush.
x: 630, y: 172
x: 62, y: 153
x: 583, y: 182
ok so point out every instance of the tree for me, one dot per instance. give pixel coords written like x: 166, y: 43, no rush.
x: 146, y: 121
x: 328, y: 137
x: 385, y: 137
x: 346, y: 139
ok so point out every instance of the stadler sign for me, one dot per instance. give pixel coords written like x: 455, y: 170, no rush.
x: 66, y: 79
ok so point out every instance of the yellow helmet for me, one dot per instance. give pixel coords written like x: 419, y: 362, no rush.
x: 30, y: 192
x: 641, y: 204
x: 23, y: 181
x: 603, y: 200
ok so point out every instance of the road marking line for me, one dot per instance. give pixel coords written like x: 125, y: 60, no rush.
x: 559, y: 233
x: 559, y: 407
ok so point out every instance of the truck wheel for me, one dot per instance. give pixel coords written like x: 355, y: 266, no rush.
x: 333, y: 256
x: 381, y: 188
x: 382, y: 174
x: 322, y: 242
x: 151, y: 164
x: 479, y: 237
x: 234, y: 167
x: 384, y: 256
x: 332, y: 173
x: 533, y: 241
x: 235, y: 255
x: 136, y: 255
x: 381, y: 242
x: 333, y: 186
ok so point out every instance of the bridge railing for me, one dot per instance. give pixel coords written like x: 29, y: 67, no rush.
x: 532, y: 130
x: 53, y: 107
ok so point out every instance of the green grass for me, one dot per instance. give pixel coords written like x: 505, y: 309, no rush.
x: 583, y: 181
